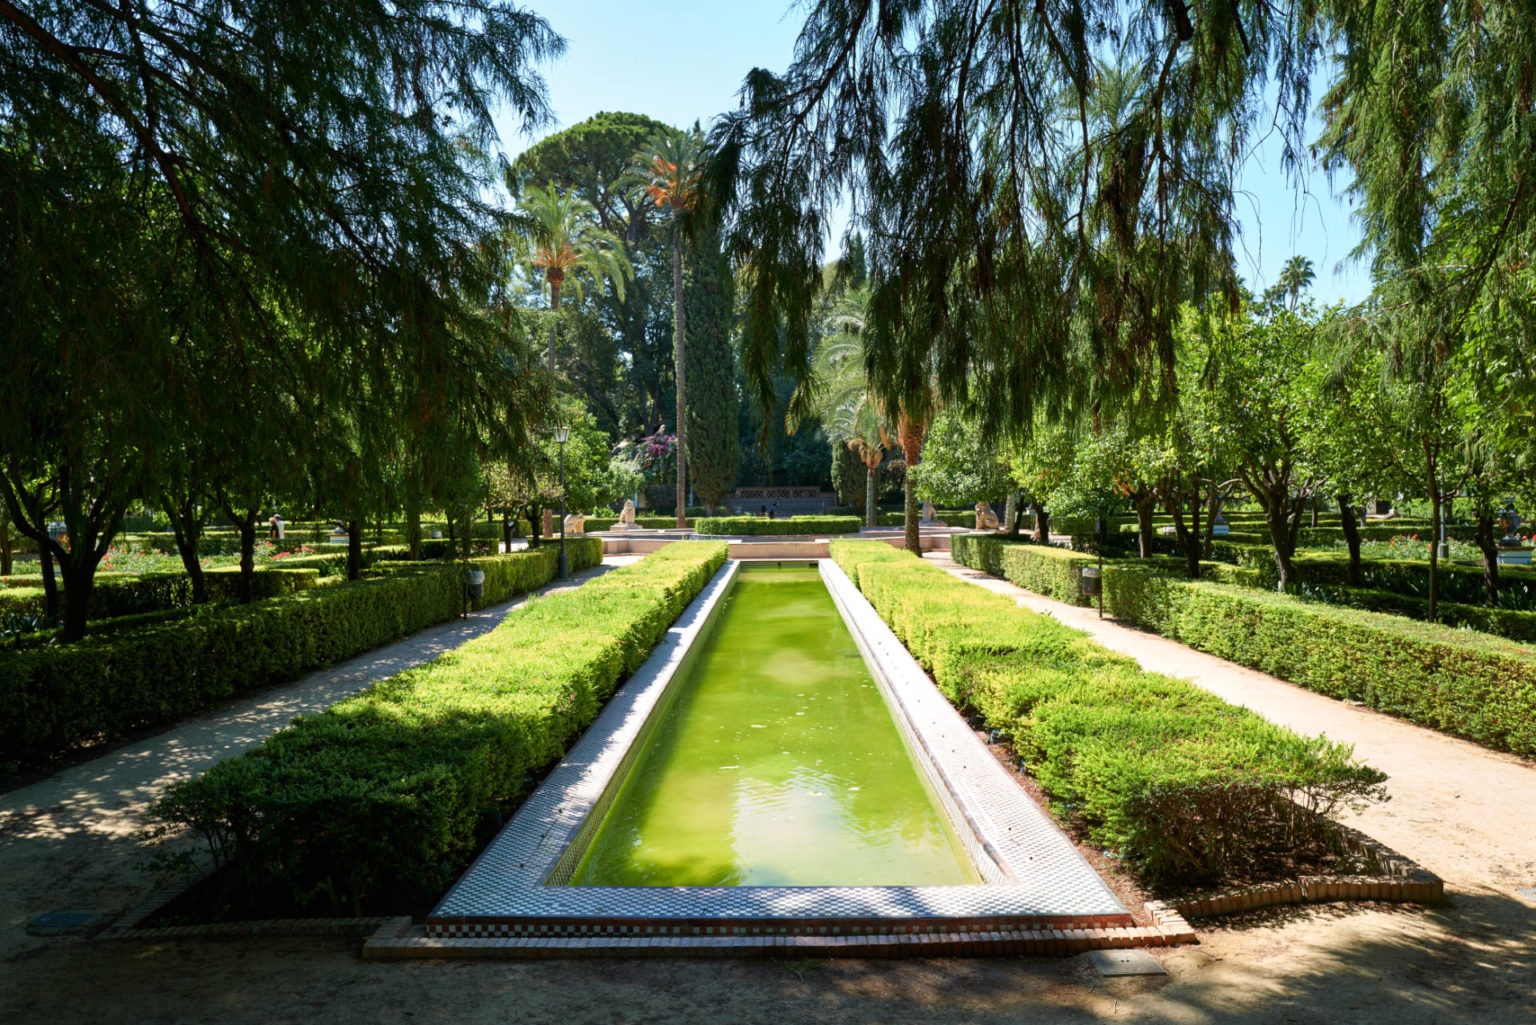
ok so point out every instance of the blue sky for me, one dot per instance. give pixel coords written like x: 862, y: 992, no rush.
x: 681, y: 61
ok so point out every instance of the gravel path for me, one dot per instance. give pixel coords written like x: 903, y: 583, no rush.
x: 69, y: 842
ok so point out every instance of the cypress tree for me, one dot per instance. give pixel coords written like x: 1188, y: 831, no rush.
x: 714, y: 449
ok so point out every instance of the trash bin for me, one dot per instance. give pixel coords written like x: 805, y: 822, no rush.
x: 1092, y: 581
x: 476, y: 579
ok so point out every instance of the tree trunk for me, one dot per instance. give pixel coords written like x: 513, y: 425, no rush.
x: 506, y: 530
x: 1011, y: 513
x: 1146, y: 506
x: 1042, y: 522
x: 682, y: 389
x: 187, y: 526
x: 871, y: 518
x: 1434, y: 539
x: 1314, y: 512
x: 534, y: 540
x: 1351, y: 538
x: 413, y: 524
x: 1208, y: 530
x: 1277, y: 517
x: 50, y: 582
x: 554, y: 321
x: 355, y: 549
x: 467, y: 544
x: 78, y: 574
x: 1187, y: 535
x: 5, y: 549
x: 247, y: 559
x: 1489, y: 546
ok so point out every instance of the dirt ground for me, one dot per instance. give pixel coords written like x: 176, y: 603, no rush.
x: 1464, y: 812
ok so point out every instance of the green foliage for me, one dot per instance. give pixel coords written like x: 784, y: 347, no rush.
x: 788, y: 525
x: 958, y: 468
x: 1044, y: 569
x: 952, y: 517
x: 1189, y: 788
x: 714, y: 450
x: 1470, y: 685
x: 53, y: 698
x: 385, y: 796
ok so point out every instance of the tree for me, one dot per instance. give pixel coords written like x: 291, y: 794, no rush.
x: 957, y: 470
x: 180, y: 181
x: 560, y: 236
x: 669, y: 172
x: 1295, y: 277
x: 714, y: 449
x: 1266, y: 375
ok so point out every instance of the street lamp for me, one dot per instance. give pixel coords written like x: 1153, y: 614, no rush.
x: 562, y: 435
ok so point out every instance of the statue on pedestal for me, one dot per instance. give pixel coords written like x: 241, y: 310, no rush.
x: 930, y: 514
x: 575, y: 523
x: 986, y: 519
x: 626, y: 517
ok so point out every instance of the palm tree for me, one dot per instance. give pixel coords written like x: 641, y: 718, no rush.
x: 1296, y: 275
x: 667, y: 171
x: 838, y: 394
x: 563, y: 240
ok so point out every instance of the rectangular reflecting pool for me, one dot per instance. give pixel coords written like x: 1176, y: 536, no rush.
x: 776, y: 763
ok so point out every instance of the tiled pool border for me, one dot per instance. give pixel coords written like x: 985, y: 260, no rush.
x: 1040, y: 882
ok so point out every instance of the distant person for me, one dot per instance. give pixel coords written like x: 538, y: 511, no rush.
x: 276, y: 525
x: 773, y: 511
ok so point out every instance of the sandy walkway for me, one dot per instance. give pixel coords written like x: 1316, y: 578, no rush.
x: 69, y: 841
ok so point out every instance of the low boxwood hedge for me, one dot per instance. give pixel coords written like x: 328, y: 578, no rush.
x: 1188, y: 787
x: 128, y: 594
x: 950, y: 517
x: 594, y: 523
x: 102, y: 687
x: 1044, y: 569
x: 1469, y: 684
x: 385, y: 796
x: 741, y: 525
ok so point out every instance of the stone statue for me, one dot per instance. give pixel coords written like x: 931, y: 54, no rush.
x: 986, y: 519
x: 626, y: 517
x: 930, y: 514
x: 575, y: 523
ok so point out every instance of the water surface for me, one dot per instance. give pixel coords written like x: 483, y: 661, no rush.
x: 778, y: 763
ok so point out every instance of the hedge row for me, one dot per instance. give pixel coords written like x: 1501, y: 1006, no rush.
x: 648, y: 522
x: 1188, y: 787
x: 951, y: 517
x: 387, y: 794
x: 1044, y: 569
x: 741, y: 525
x: 127, y: 594
x: 1472, y: 685
x: 103, y: 687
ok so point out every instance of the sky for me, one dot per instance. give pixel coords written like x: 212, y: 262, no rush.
x: 680, y: 62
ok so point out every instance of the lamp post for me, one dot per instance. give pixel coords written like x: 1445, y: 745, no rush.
x: 562, y: 435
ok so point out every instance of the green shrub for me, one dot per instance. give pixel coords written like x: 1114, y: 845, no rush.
x: 1189, y: 787
x: 951, y: 517
x: 740, y: 525
x: 386, y: 795
x: 56, y: 697
x: 595, y: 523
x: 1472, y: 685
x: 1044, y: 569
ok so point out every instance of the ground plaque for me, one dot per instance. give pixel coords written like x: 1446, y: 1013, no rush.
x: 1126, y: 961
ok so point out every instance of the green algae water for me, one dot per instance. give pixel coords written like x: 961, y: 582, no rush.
x: 777, y: 764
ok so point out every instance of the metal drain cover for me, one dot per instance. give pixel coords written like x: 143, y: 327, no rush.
x: 62, y: 923
x: 1129, y: 961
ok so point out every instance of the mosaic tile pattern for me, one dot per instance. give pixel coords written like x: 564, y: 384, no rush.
x: 1035, y: 878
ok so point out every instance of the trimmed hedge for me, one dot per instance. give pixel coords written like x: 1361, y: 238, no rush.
x: 56, y: 697
x: 1472, y: 685
x: 649, y: 522
x: 950, y: 517
x: 1190, y: 788
x: 1044, y: 569
x: 127, y: 594
x: 742, y: 525
x: 386, y: 795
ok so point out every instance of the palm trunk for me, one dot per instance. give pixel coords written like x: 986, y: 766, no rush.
x: 554, y: 321
x: 682, y: 390
x: 870, y: 517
